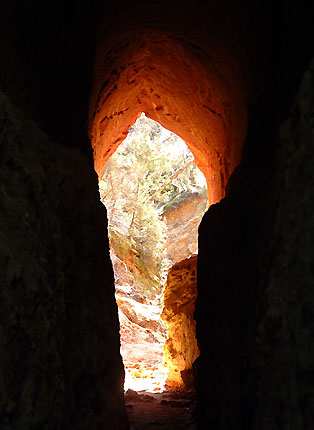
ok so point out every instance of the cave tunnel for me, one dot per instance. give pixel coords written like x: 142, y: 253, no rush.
x: 236, y: 84
x: 196, y: 90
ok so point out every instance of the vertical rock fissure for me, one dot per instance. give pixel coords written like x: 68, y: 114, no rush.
x: 155, y: 198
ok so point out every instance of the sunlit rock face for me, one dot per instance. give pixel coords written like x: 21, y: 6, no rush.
x: 183, y: 219
x: 143, y: 335
x: 180, y: 349
x: 142, y: 332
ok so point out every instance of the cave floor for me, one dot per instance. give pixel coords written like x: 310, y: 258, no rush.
x: 165, y: 411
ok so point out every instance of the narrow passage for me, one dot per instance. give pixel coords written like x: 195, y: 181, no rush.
x: 155, y: 198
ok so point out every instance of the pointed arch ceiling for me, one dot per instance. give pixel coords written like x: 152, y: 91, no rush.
x: 194, y: 87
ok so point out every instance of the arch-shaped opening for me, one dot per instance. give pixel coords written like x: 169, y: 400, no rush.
x: 155, y: 198
x: 195, y: 91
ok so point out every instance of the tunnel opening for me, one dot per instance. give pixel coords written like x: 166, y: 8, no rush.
x: 155, y: 198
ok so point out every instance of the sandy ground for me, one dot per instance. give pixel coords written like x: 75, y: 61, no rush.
x: 164, y: 411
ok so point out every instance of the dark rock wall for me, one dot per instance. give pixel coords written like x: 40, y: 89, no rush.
x: 60, y: 365
x: 285, y: 347
x: 254, y: 310
x: 59, y: 357
x: 47, y: 53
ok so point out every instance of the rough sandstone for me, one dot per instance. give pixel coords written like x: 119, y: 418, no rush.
x: 59, y: 341
x: 180, y: 350
x: 180, y: 79
x: 182, y: 223
x: 254, y: 309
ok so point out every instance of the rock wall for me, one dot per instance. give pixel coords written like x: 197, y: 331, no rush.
x: 182, y: 71
x: 183, y: 221
x: 254, y: 309
x: 60, y: 365
x: 180, y: 350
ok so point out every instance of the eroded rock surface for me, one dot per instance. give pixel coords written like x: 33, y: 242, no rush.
x: 183, y: 220
x: 180, y: 350
x: 60, y: 365
x: 183, y: 72
x: 142, y: 331
x: 255, y: 301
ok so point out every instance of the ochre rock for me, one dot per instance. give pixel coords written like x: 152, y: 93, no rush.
x: 180, y: 350
x: 191, y: 82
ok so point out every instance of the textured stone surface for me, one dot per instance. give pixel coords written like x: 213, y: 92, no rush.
x: 60, y: 365
x: 254, y: 309
x: 182, y: 222
x: 180, y: 350
x: 285, y: 348
x: 174, y: 73
x: 141, y: 330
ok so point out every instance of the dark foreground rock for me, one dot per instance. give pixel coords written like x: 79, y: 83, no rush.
x: 57, y: 291
x: 254, y: 312
x: 165, y: 411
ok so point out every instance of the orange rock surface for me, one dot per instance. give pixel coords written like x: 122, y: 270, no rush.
x: 180, y: 350
x: 182, y: 222
x: 191, y: 83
